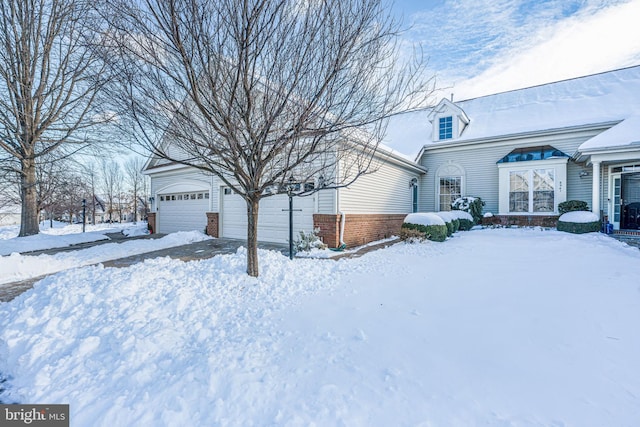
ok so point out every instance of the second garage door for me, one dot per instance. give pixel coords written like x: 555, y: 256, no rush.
x: 273, y: 219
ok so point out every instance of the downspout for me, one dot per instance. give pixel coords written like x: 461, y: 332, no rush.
x: 342, y: 220
x: 343, y: 245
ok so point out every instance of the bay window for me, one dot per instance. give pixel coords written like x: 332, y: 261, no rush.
x: 532, y: 187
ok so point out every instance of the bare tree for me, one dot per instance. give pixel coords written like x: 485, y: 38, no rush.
x: 260, y: 91
x: 111, y: 186
x: 48, y: 80
x: 135, y: 179
x: 90, y: 172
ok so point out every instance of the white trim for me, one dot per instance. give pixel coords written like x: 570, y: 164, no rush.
x: 595, y: 190
x: 448, y: 170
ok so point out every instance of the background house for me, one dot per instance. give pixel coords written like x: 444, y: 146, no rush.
x: 525, y: 151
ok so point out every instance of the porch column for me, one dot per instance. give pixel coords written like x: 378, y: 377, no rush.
x: 595, y: 198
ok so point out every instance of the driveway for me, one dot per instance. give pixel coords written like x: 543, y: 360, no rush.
x: 193, y: 251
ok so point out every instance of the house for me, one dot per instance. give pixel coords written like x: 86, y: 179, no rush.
x: 373, y: 207
x: 525, y: 151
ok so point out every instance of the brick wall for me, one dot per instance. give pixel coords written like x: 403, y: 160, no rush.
x: 212, y: 224
x: 151, y: 220
x: 359, y: 228
x: 522, y: 220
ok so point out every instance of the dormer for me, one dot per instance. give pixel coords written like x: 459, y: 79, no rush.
x: 448, y: 121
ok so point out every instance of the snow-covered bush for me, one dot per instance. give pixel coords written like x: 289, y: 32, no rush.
x: 470, y: 204
x: 450, y: 221
x: 465, y: 220
x: 421, y: 226
x: 571, y: 206
x: 308, y: 241
x: 579, y: 222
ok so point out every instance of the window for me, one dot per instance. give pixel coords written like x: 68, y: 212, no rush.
x: 206, y: 195
x: 519, y: 191
x: 227, y: 191
x: 445, y: 127
x: 450, y: 189
x: 532, y: 190
x: 532, y: 187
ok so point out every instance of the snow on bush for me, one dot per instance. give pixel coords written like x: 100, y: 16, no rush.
x: 450, y: 221
x: 579, y: 222
x: 423, y: 226
x: 470, y: 204
x: 461, y: 215
x: 424, y: 218
x: 579, y: 217
x: 308, y: 241
x: 465, y: 220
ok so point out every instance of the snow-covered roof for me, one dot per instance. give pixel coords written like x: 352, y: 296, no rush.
x: 612, y: 96
x: 625, y: 133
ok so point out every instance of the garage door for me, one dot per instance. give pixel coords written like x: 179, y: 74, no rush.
x: 182, y: 211
x: 273, y: 222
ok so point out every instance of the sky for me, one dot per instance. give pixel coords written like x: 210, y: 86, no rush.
x: 481, y: 47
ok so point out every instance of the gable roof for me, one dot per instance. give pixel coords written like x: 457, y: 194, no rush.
x: 610, y: 97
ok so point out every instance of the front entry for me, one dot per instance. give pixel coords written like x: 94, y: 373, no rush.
x: 630, y: 201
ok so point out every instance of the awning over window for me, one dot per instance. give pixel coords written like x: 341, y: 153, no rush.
x: 542, y: 152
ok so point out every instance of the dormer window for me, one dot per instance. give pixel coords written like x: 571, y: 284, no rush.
x: 446, y: 127
x: 448, y: 121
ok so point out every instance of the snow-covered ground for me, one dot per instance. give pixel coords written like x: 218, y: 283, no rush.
x: 61, y: 235
x: 501, y: 327
x: 16, y: 266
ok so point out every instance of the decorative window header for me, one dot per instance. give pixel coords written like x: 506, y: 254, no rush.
x: 542, y: 152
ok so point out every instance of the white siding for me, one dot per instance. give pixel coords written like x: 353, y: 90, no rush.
x: 385, y: 191
x: 327, y: 201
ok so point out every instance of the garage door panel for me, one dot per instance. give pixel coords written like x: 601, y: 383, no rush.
x: 183, y: 212
x: 273, y: 217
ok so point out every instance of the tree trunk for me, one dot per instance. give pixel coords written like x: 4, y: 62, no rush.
x: 29, y: 215
x: 252, y: 237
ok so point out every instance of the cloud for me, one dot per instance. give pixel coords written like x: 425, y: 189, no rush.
x: 487, y: 46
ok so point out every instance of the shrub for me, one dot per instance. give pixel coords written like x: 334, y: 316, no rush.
x: 435, y: 232
x: 448, y: 219
x: 411, y: 235
x: 422, y: 226
x: 579, y: 222
x: 572, y: 205
x: 579, y: 227
x: 464, y: 219
x: 308, y: 241
x: 470, y: 204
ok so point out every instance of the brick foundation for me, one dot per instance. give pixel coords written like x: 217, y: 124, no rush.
x: 522, y: 220
x: 212, y: 224
x: 151, y: 220
x: 359, y: 228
